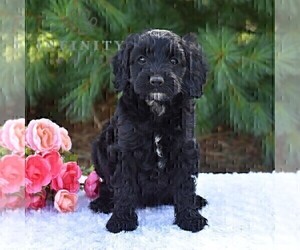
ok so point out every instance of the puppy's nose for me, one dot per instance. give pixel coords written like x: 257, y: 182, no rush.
x: 156, y: 80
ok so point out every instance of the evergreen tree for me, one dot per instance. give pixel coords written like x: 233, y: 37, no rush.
x: 70, y: 43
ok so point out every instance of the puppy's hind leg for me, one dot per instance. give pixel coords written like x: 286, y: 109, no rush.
x: 200, y: 202
x: 104, y: 203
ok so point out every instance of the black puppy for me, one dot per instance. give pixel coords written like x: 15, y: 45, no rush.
x: 147, y: 154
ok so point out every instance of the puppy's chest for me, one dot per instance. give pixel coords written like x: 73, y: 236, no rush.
x: 158, y: 146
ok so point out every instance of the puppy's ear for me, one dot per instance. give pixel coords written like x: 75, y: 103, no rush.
x: 195, y: 75
x: 120, y: 63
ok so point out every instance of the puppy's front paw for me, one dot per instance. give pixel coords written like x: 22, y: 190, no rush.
x: 122, y: 222
x: 190, y: 220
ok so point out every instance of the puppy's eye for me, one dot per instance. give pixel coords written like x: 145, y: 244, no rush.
x: 141, y: 60
x: 174, y: 61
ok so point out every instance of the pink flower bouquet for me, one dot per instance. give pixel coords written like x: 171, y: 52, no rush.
x: 35, y: 166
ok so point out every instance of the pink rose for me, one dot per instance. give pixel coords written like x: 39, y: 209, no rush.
x: 36, y: 201
x: 1, y: 142
x: 13, y: 136
x: 68, y: 178
x: 66, y: 143
x: 37, y: 173
x: 43, y: 136
x: 14, y: 201
x: 2, y: 198
x: 92, y: 185
x: 64, y: 201
x: 55, y: 161
x: 12, y: 168
x: 3, y: 182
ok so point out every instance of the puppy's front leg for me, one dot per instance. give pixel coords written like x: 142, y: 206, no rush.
x: 124, y: 217
x: 187, y: 216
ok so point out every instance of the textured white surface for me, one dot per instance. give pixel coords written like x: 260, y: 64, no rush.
x: 245, y: 211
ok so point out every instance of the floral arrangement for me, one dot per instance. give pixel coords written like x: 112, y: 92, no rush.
x: 36, y: 165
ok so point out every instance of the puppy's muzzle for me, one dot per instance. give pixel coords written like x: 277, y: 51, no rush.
x: 156, y: 80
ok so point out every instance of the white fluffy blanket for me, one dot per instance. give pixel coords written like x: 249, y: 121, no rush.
x: 245, y: 211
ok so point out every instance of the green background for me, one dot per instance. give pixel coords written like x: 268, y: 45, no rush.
x: 68, y: 70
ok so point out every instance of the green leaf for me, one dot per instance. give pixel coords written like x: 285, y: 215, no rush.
x: 68, y: 156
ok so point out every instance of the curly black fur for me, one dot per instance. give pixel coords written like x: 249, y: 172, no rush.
x: 147, y: 154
